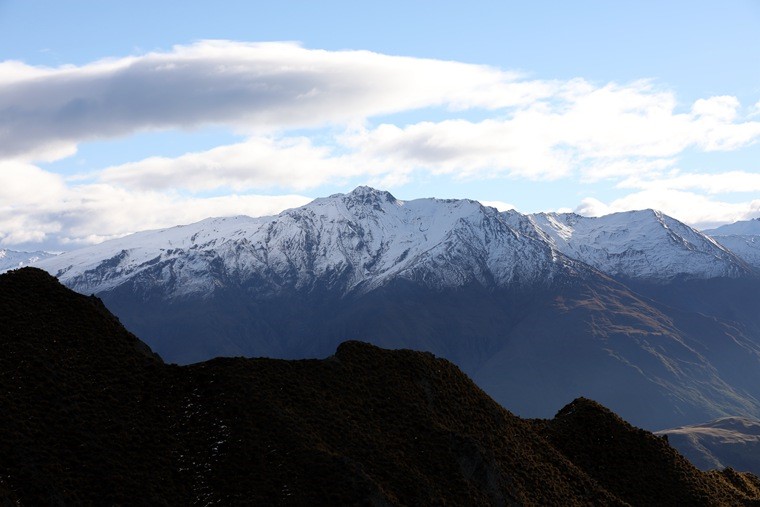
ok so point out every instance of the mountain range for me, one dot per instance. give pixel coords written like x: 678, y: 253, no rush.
x: 636, y: 310
x: 90, y: 416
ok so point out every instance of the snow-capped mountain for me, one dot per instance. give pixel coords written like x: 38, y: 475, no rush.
x: 639, y: 245
x: 520, y: 302
x: 742, y: 238
x: 363, y: 239
x: 11, y: 259
x: 357, y: 241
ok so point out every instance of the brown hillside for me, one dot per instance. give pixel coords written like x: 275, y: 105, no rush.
x: 635, y: 465
x: 90, y: 416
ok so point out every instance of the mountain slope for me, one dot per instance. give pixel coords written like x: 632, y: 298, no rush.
x: 594, y: 438
x: 726, y: 442
x: 74, y: 387
x: 91, y: 416
x: 654, y: 364
x: 747, y: 247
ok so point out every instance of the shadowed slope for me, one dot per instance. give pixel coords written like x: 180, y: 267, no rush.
x: 726, y: 442
x: 635, y: 465
x: 91, y: 416
x: 369, y: 425
x: 74, y: 397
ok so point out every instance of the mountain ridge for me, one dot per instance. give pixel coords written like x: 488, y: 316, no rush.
x: 366, y: 237
x: 646, y: 245
x: 90, y: 415
x: 356, y: 241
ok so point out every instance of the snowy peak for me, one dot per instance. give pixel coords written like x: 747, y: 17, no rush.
x: 345, y: 242
x: 366, y: 196
x: 367, y: 237
x: 645, y: 245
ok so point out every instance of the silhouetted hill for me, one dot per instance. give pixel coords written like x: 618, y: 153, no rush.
x: 635, y: 465
x: 75, y: 422
x: 91, y: 416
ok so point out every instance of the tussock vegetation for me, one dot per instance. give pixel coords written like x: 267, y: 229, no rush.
x: 91, y: 416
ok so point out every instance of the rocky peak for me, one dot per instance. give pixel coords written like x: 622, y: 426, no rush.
x: 366, y: 196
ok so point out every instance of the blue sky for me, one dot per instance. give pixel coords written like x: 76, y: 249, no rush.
x: 117, y: 117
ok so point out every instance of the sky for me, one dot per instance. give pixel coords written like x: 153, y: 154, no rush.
x: 117, y: 117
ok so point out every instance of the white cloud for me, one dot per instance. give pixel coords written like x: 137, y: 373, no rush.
x: 44, y: 209
x: 268, y: 85
x: 599, y: 133
x: 714, y: 127
x: 106, y: 211
x: 712, y: 183
x: 23, y: 184
x: 634, y: 167
x: 754, y: 111
x: 632, y: 134
x: 592, y: 207
x: 723, y: 108
x: 463, y: 148
x: 541, y: 124
x: 256, y: 163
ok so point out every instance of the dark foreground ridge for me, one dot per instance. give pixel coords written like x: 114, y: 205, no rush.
x: 91, y: 416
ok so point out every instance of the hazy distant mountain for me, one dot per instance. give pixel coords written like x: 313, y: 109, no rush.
x: 11, y: 259
x: 90, y: 416
x: 491, y: 291
x: 742, y: 238
x: 741, y: 228
x: 726, y: 442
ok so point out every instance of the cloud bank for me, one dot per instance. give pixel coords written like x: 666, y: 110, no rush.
x: 45, y: 112
x: 38, y: 207
x: 311, y: 118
